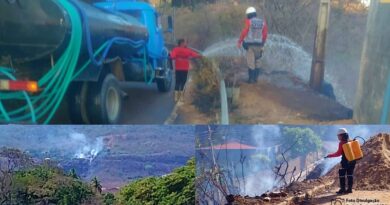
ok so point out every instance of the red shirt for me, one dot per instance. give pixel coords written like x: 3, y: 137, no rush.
x: 339, y: 150
x: 182, y: 56
x: 245, y: 31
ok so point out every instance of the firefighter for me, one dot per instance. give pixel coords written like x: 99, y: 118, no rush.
x: 347, y: 167
x: 182, y: 55
x: 253, y: 38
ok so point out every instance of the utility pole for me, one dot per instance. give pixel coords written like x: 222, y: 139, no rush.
x: 318, y: 62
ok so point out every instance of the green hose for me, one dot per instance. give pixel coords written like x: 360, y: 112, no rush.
x: 56, y: 81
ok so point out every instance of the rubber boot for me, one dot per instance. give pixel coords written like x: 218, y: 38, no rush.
x: 350, y: 184
x: 342, y: 183
x: 257, y: 74
x: 253, y: 76
x: 250, y: 76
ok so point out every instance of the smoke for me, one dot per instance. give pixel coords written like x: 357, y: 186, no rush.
x: 86, y: 148
x: 257, y: 185
x: 262, y: 134
x: 364, y: 131
x: 328, y: 164
x: 260, y: 177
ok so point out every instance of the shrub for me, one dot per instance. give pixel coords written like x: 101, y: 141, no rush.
x: 206, y: 85
x: 209, y: 24
x: 44, y: 183
x: 177, y: 188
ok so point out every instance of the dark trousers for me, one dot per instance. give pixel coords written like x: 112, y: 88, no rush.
x: 181, y: 79
x: 346, y: 171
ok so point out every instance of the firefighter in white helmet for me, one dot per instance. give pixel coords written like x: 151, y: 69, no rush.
x: 253, y: 38
x: 347, y: 167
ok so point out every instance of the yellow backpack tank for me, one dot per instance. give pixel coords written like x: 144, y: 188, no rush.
x: 353, y: 150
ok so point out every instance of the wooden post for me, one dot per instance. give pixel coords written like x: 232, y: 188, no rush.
x: 318, y: 62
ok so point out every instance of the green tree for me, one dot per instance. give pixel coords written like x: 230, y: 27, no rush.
x: 44, y: 184
x: 73, y: 174
x: 95, y: 183
x: 23, y: 182
x: 109, y: 199
x: 177, y: 188
x: 11, y: 160
x: 300, y: 141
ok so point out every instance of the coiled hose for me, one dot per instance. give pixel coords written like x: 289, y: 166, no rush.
x: 55, y: 83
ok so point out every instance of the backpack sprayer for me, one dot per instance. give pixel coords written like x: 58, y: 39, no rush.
x: 353, y: 150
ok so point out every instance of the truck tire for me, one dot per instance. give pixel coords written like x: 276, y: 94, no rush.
x: 77, y: 99
x: 105, y: 101
x: 164, y: 84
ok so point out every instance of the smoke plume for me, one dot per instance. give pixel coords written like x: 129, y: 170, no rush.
x: 86, y: 148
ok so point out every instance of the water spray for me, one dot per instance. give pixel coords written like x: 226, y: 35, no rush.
x: 281, y: 54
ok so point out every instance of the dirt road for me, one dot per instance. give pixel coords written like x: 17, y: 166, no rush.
x: 356, y: 198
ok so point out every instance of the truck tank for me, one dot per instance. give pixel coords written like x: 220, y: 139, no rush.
x: 32, y: 31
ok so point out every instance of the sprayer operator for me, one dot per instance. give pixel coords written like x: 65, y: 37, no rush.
x: 182, y: 55
x: 347, y: 167
x: 253, y: 38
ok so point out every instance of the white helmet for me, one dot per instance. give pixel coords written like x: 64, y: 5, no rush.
x: 342, y: 131
x: 250, y: 10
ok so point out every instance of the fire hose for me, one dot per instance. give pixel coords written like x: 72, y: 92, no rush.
x: 55, y: 83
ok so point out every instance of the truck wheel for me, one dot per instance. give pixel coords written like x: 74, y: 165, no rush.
x: 164, y: 84
x: 77, y: 99
x: 105, y: 101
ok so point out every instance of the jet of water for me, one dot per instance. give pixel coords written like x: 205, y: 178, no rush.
x: 280, y: 54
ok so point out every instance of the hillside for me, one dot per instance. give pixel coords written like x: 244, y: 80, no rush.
x: 126, y: 152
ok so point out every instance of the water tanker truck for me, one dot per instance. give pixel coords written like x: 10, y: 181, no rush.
x: 76, y: 52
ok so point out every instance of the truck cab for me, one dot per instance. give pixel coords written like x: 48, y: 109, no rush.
x: 153, y: 63
x: 148, y: 16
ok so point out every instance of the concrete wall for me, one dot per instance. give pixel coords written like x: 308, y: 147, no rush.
x: 371, y: 99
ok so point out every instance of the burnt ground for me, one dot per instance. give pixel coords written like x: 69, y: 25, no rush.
x: 128, y: 152
x: 267, y: 102
x: 279, y: 97
x: 372, y: 182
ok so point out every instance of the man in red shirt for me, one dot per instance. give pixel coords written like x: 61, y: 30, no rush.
x: 253, y: 38
x: 182, y: 55
x: 347, y: 167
